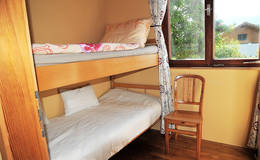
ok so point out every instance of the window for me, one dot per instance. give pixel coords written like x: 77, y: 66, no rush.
x: 188, y: 29
x: 241, y: 37
x: 208, y: 33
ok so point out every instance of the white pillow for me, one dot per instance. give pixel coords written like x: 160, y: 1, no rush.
x: 78, y: 99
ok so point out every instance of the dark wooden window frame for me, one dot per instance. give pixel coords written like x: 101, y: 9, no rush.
x: 209, y: 46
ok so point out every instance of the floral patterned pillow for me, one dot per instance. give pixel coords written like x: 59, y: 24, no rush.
x: 101, y: 47
x: 48, y: 48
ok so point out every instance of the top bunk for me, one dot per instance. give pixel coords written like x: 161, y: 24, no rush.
x: 60, y: 69
x: 54, y: 59
x: 55, y: 71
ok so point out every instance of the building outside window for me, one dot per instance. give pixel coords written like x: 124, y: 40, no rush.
x: 241, y: 37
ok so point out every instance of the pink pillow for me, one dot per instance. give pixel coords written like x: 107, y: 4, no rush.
x: 133, y: 31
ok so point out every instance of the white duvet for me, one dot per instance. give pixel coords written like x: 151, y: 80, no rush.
x: 100, y: 132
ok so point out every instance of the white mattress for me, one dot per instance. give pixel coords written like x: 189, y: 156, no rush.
x: 43, y: 60
x: 100, y: 132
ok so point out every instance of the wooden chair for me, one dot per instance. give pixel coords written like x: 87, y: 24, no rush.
x: 188, y: 91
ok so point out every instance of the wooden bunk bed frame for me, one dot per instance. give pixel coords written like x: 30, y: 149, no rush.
x: 56, y: 76
x: 61, y: 75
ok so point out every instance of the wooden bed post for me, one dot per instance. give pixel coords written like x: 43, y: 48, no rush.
x: 112, y: 82
x: 18, y: 86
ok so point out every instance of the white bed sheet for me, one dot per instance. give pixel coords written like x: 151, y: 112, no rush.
x: 44, y: 60
x: 99, y: 133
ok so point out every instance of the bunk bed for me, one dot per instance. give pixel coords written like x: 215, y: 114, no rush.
x: 120, y: 117
x: 121, y: 114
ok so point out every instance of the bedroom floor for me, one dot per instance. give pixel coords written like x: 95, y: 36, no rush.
x: 150, y: 146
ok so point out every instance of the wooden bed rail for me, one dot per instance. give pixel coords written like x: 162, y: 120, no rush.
x: 114, y: 84
x: 136, y: 86
x: 60, y: 75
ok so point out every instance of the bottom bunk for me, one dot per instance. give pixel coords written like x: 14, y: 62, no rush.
x: 99, y: 132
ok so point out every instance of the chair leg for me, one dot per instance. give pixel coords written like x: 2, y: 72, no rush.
x: 176, y: 134
x: 199, y: 135
x: 167, y: 145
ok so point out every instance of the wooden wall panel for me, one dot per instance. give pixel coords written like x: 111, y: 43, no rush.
x: 66, y: 21
x: 17, y: 84
x: 114, y: 8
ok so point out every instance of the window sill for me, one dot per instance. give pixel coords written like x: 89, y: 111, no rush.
x: 218, y: 68
x: 217, y: 64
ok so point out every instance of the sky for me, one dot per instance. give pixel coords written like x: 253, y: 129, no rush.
x: 238, y: 11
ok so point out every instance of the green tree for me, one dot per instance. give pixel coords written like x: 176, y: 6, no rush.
x: 187, y: 28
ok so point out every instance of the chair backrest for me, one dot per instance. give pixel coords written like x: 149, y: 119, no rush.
x: 188, y: 90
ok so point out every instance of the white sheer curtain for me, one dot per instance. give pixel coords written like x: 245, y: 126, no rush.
x: 158, y: 9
